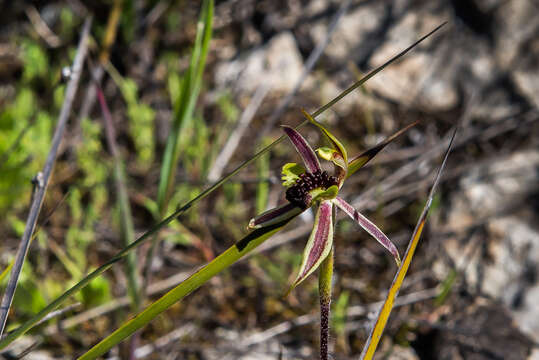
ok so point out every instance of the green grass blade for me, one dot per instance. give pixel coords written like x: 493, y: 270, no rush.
x: 179, y: 211
x: 184, y: 105
x: 227, y: 258
x: 385, y: 310
x: 262, y: 187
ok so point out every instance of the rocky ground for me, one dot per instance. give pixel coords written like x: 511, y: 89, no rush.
x: 472, y: 291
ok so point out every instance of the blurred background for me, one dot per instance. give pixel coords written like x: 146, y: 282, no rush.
x: 472, y: 290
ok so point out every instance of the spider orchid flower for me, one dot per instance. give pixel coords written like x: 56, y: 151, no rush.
x: 310, y: 186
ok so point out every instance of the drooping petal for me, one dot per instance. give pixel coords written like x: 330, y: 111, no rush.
x: 304, y: 149
x: 275, y: 215
x: 332, y: 138
x: 359, y: 161
x: 290, y: 173
x: 319, y: 244
x: 369, y: 227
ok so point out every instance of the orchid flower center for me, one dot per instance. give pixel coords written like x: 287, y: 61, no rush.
x: 299, y: 194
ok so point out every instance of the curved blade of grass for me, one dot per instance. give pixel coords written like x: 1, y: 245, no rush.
x: 227, y: 258
x: 385, y: 310
x: 182, y: 209
x: 184, y: 105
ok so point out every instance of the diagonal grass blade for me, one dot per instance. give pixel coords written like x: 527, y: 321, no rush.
x: 383, y: 315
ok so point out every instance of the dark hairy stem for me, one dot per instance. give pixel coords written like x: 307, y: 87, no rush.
x: 40, y: 186
x: 325, y: 278
x: 324, y: 328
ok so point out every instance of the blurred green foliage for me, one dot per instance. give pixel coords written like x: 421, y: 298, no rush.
x: 141, y: 123
x: 25, y: 132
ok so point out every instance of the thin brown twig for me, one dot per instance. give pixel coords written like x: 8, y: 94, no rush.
x: 41, y: 186
x: 41, y: 27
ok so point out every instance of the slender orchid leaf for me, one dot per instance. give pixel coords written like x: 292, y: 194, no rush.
x: 385, y: 310
x: 319, y: 244
x: 334, y: 141
x: 276, y: 215
x: 304, y: 149
x: 369, y: 227
x: 223, y: 261
x: 290, y: 173
x: 185, y: 207
x: 359, y: 161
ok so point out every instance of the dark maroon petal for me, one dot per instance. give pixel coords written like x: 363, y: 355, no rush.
x: 368, y: 226
x: 319, y: 244
x: 304, y: 149
x: 275, y: 215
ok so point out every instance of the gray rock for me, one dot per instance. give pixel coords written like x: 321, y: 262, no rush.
x: 279, y: 63
x: 500, y: 262
x: 418, y: 78
x: 352, y: 31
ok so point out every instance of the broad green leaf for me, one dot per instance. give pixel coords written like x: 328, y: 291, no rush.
x: 290, y: 173
x: 385, y: 310
x: 227, y: 258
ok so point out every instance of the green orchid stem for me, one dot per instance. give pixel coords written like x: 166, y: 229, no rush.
x: 324, y: 289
